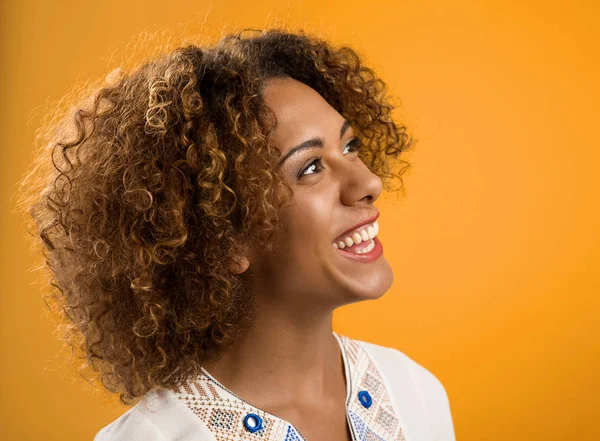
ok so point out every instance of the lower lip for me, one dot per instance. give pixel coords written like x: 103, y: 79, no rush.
x: 371, y: 256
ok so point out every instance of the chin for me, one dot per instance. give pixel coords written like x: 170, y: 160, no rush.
x: 369, y: 282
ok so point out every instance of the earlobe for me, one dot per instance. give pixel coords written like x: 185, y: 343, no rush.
x: 239, y: 265
x: 241, y: 255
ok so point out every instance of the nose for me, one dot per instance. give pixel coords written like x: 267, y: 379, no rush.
x: 359, y: 184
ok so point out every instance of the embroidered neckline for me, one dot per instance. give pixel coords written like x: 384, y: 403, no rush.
x: 347, y: 377
x: 223, y: 411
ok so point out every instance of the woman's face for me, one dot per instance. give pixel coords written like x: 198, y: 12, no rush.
x: 331, y: 195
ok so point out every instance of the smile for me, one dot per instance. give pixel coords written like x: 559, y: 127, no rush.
x: 361, y: 244
x: 362, y: 235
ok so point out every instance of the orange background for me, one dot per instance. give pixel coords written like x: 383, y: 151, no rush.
x: 495, y: 247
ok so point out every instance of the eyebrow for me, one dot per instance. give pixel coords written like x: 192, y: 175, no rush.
x: 310, y: 143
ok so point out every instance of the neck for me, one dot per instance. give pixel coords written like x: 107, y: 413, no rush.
x: 286, y: 356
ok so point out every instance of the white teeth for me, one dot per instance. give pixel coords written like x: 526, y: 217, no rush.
x: 358, y: 237
x: 366, y: 249
x: 371, y: 232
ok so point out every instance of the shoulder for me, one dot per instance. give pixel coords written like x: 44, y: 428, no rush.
x: 158, y: 416
x: 407, y: 378
x: 392, y: 361
x: 130, y: 426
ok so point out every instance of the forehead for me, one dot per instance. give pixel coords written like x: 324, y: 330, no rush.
x: 300, y: 110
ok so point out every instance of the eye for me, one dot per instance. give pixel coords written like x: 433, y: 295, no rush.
x: 314, y: 166
x: 354, y: 144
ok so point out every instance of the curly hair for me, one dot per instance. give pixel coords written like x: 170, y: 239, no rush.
x: 141, y: 191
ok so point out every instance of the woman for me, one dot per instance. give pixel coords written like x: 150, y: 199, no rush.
x: 205, y: 215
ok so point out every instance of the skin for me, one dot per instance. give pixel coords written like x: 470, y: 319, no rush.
x: 289, y: 363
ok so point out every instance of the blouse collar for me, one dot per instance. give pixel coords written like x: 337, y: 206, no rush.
x: 369, y: 410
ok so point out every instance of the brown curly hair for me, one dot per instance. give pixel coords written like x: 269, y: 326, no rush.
x: 140, y: 192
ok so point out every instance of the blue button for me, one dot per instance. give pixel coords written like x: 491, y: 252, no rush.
x: 253, y: 422
x: 365, y: 398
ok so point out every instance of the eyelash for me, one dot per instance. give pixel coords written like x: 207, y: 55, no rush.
x: 354, y: 145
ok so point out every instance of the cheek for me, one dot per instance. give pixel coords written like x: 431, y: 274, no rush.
x: 309, y: 222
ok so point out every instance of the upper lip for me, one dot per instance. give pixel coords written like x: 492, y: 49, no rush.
x: 360, y: 224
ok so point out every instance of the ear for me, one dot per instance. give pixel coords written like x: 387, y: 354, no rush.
x: 239, y: 264
x: 241, y: 258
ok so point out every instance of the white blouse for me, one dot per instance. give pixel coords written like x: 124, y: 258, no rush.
x: 389, y: 397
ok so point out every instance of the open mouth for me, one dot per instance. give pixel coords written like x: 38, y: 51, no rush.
x: 359, y: 241
x: 361, y: 244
